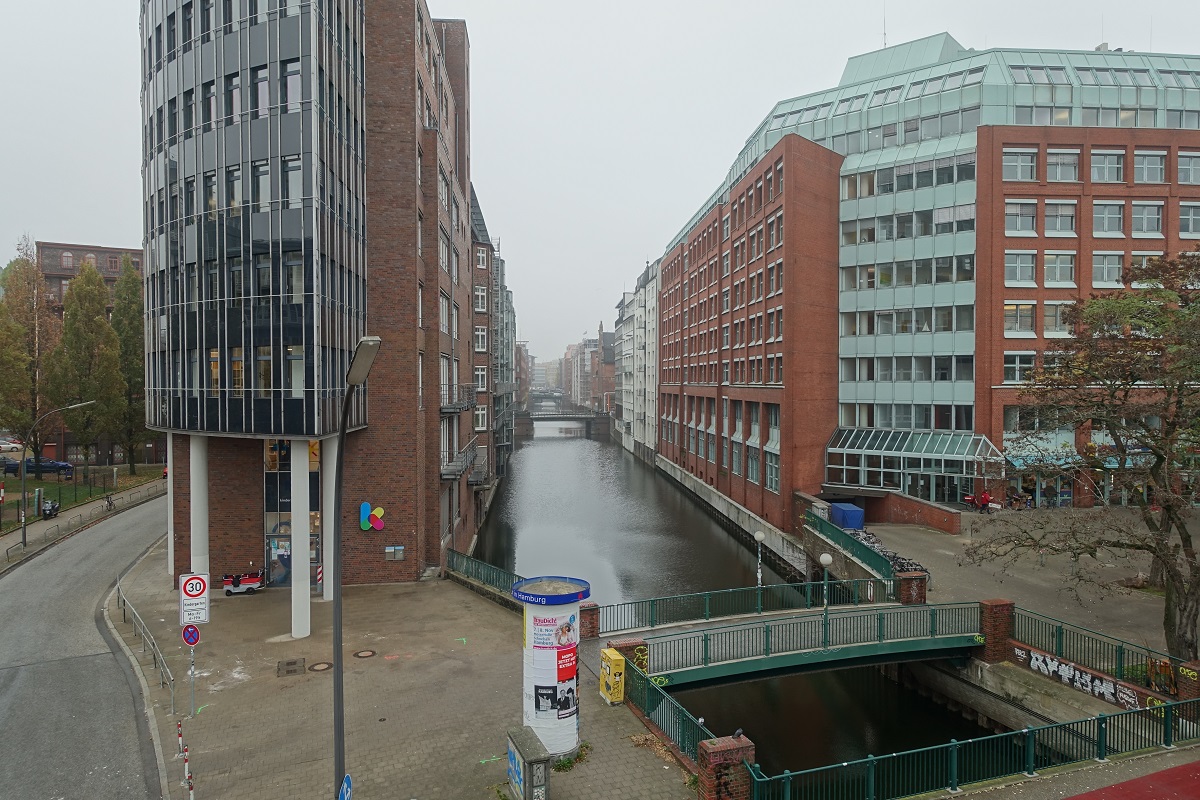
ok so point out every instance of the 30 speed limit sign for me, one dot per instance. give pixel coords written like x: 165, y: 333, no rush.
x: 193, y: 599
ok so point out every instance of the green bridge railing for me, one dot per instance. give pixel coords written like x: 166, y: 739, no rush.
x: 481, y: 571
x: 956, y: 764
x: 1120, y: 659
x: 664, y: 711
x: 659, y: 611
x: 872, y: 560
x: 843, y: 628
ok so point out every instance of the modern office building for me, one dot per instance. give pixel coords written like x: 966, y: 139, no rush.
x: 263, y: 270
x: 932, y: 214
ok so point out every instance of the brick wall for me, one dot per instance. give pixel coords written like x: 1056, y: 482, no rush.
x: 235, y: 512
x: 180, y: 477
x: 996, y: 626
x: 912, y: 588
x: 589, y: 620
x: 905, y: 510
x: 722, y: 775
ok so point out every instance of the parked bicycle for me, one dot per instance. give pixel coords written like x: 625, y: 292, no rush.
x: 109, y: 503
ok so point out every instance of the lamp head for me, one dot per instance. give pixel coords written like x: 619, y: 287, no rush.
x: 759, y: 536
x: 364, y: 356
x: 826, y: 559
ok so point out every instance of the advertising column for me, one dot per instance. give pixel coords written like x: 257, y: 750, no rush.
x: 550, y: 687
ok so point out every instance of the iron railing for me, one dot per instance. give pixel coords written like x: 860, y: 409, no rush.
x: 684, y: 730
x: 872, y: 560
x: 457, y: 397
x: 481, y: 571
x: 479, y: 472
x: 165, y: 678
x: 956, y: 764
x: 455, y: 463
x: 659, y: 611
x: 836, y: 629
x: 1122, y: 660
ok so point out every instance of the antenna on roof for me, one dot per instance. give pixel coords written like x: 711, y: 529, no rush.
x: 885, y: 23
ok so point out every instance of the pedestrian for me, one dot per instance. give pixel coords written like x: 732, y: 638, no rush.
x: 985, y: 502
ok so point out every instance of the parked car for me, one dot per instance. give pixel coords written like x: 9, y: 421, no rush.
x: 11, y: 466
x: 63, y: 468
x: 10, y: 446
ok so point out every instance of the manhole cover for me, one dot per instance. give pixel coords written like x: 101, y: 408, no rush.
x: 364, y: 654
x: 292, y: 666
x: 320, y: 666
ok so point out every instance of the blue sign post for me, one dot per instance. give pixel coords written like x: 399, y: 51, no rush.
x: 347, y: 789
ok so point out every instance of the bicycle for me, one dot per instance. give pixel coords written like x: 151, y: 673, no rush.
x: 109, y: 503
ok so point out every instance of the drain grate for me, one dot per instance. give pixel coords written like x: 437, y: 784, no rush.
x: 364, y: 654
x: 292, y: 666
x: 320, y: 666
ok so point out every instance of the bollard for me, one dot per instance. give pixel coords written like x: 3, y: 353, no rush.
x: 179, y: 732
x: 187, y: 770
x: 1101, y: 738
x: 191, y: 788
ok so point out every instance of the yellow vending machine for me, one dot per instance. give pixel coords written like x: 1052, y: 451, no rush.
x: 612, y: 676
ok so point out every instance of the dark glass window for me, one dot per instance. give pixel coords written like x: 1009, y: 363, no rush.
x: 293, y: 182
x: 189, y: 111
x: 261, y: 186
x: 208, y: 104
x: 233, y: 98
x: 289, y: 85
x: 260, y: 92
x: 185, y: 31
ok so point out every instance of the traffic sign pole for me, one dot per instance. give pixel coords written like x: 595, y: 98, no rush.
x: 192, y: 670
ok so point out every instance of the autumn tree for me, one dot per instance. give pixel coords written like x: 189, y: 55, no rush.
x: 87, y: 364
x: 1117, y: 410
x: 12, y: 369
x: 128, y: 321
x: 29, y: 305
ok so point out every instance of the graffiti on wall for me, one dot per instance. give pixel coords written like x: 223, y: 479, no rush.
x: 1079, y: 678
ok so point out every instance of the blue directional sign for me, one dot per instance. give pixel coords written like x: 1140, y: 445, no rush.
x: 191, y: 635
x: 347, y: 789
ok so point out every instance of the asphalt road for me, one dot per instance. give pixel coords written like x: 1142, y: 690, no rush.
x: 72, y: 722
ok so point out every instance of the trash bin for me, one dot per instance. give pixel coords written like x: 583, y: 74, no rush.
x: 612, y: 676
x: 528, y: 765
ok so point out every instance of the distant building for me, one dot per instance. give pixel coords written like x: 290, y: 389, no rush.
x: 60, y: 263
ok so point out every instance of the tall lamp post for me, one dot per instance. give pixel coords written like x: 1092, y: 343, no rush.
x: 360, y: 366
x: 24, y: 469
x: 759, y: 536
x: 826, y: 560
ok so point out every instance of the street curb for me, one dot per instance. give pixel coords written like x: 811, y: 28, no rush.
x: 27, y: 558
x: 136, y: 669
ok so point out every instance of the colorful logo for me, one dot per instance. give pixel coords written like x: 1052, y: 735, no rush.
x: 368, y: 519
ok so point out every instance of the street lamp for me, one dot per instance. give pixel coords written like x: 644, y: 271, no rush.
x: 24, y: 468
x: 360, y: 366
x: 826, y: 560
x: 759, y: 536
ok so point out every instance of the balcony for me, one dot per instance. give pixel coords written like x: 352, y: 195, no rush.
x: 455, y: 464
x: 479, y: 473
x: 457, y: 397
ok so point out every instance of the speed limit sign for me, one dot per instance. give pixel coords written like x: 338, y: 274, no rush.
x: 193, y: 599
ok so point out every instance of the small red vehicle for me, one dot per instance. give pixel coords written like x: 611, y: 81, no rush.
x: 246, y: 583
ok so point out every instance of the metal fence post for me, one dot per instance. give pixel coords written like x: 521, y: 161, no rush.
x: 706, y: 648
x: 879, y: 620
x: 1120, y: 662
x: 808, y: 594
x: 652, y: 613
x: 1101, y: 738
x: 1058, y: 642
x: 766, y: 639
x: 870, y: 777
x: 706, y: 608
x: 759, y: 599
x: 932, y: 622
x: 954, y: 765
x: 1169, y: 725
x: 825, y: 629
x: 854, y: 590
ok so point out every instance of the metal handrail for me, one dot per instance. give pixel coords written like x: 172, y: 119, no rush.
x: 165, y: 678
x: 481, y: 571
x: 872, y: 560
x: 665, y: 711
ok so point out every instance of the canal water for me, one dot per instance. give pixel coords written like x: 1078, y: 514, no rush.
x: 589, y: 509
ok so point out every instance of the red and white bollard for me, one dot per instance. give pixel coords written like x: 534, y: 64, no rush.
x: 191, y: 788
x: 320, y: 575
x: 187, y: 770
x: 179, y: 731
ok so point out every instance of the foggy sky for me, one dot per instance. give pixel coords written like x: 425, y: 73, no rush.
x: 597, y: 128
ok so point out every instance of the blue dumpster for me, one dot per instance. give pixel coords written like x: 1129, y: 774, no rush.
x: 847, y: 515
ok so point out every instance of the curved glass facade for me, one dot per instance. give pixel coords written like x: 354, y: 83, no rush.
x: 253, y: 176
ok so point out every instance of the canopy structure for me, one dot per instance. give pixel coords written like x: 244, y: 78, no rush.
x: 933, y: 465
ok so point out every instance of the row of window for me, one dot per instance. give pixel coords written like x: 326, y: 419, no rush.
x: 227, y: 372
x: 1019, y: 316
x: 1107, y: 166
x: 918, y: 175
x: 881, y: 97
x: 909, y: 225
x: 763, y: 370
x: 704, y: 446
x: 907, y: 368
x: 1108, y: 218
x: 1020, y: 267
x: 929, y: 319
x: 901, y: 416
x: 918, y: 272
x: 894, y: 134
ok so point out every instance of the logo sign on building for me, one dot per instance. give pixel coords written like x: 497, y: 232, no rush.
x: 368, y: 518
x: 193, y: 599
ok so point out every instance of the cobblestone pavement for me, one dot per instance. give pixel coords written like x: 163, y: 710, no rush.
x: 426, y: 715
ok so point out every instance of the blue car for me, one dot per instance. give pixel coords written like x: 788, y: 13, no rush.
x: 64, y: 469
x: 11, y: 466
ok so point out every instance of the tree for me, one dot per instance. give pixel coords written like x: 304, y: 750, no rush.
x: 128, y: 322
x: 87, y: 365
x: 12, y: 368
x: 29, y: 305
x: 1117, y: 409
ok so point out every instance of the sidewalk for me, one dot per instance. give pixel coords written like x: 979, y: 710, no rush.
x: 432, y: 683
x: 40, y: 533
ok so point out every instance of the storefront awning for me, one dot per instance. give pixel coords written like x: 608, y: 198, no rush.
x: 941, y: 444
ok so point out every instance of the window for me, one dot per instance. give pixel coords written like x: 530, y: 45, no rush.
x: 1149, y: 167
x: 1060, y: 218
x: 185, y: 30
x: 260, y: 186
x: 210, y: 194
x: 233, y: 190
x: 206, y: 20
x: 1060, y: 268
x: 481, y: 378
x: 1106, y: 269
x: 292, y: 184
x: 481, y: 333
x: 293, y: 273
x: 189, y: 197
x: 1108, y: 167
x: 444, y: 312
x: 1061, y: 167
x: 1020, y: 218
x: 237, y: 377
x: 1189, y: 168
x: 189, y: 111
x: 1053, y: 319
x: 1019, y: 165
x: 1018, y: 319
x: 289, y: 85
x: 481, y: 414
x: 233, y: 98
x: 1108, y: 219
x: 1019, y: 268
x: 1018, y: 367
x: 772, y: 471
x: 260, y: 92
x: 214, y: 373
x: 481, y: 298
x: 1189, y: 220
x: 294, y: 371
x: 208, y: 104
x: 262, y: 366
x: 1147, y: 218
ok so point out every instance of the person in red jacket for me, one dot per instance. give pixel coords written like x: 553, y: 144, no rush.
x: 985, y: 502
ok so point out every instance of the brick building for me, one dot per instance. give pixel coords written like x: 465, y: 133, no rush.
x: 931, y: 213
x: 264, y: 148
x: 60, y: 263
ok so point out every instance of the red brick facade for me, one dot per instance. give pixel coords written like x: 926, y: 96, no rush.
x: 996, y: 627
x: 904, y: 509
x: 723, y: 775
x: 783, y: 254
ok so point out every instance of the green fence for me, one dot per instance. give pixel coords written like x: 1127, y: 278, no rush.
x: 1122, y: 660
x: 660, y: 611
x: 956, y: 764
x: 673, y: 719
x: 480, y: 571
x: 843, y: 628
x: 872, y: 560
